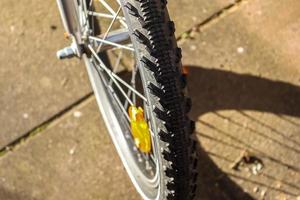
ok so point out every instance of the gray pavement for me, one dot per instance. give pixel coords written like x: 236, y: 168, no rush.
x: 34, y: 85
x: 244, y: 81
x: 187, y: 13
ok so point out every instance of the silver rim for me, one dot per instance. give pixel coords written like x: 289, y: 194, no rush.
x: 115, y: 94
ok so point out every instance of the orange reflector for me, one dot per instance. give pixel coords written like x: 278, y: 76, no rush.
x: 139, y: 129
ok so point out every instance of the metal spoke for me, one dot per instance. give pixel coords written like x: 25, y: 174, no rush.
x: 113, y: 76
x: 119, y: 2
x: 104, y: 15
x: 111, y: 11
x: 118, y: 61
x: 110, y: 26
x: 116, y: 83
x: 131, y: 88
x: 116, y: 66
x: 134, y: 71
x: 121, y: 106
x: 122, y: 91
x: 110, y: 43
x: 114, y: 95
x: 119, y: 102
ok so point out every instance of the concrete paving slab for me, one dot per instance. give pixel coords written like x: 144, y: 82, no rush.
x: 34, y: 85
x: 244, y: 81
x: 187, y: 13
x: 73, y: 159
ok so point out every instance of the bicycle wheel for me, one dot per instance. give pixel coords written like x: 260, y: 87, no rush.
x: 140, y: 90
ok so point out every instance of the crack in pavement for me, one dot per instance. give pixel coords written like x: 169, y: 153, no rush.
x: 42, y: 126
x: 214, y: 18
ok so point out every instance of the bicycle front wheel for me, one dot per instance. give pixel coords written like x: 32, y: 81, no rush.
x: 140, y: 90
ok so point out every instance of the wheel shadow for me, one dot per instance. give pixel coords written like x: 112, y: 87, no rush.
x: 212, y: 90
x: 213, y: 183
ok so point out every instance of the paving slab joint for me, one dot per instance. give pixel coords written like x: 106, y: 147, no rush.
x: 214, y: 18
x: 44, y: 125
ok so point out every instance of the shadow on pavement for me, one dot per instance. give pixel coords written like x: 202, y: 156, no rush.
x: 213, y: 90
x: 213, y: 183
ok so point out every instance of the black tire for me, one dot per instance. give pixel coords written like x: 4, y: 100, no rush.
x: 152, y: 33
x: 164, y: 84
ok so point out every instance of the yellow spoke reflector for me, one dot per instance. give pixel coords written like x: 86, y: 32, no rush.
x: 139, y: 129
